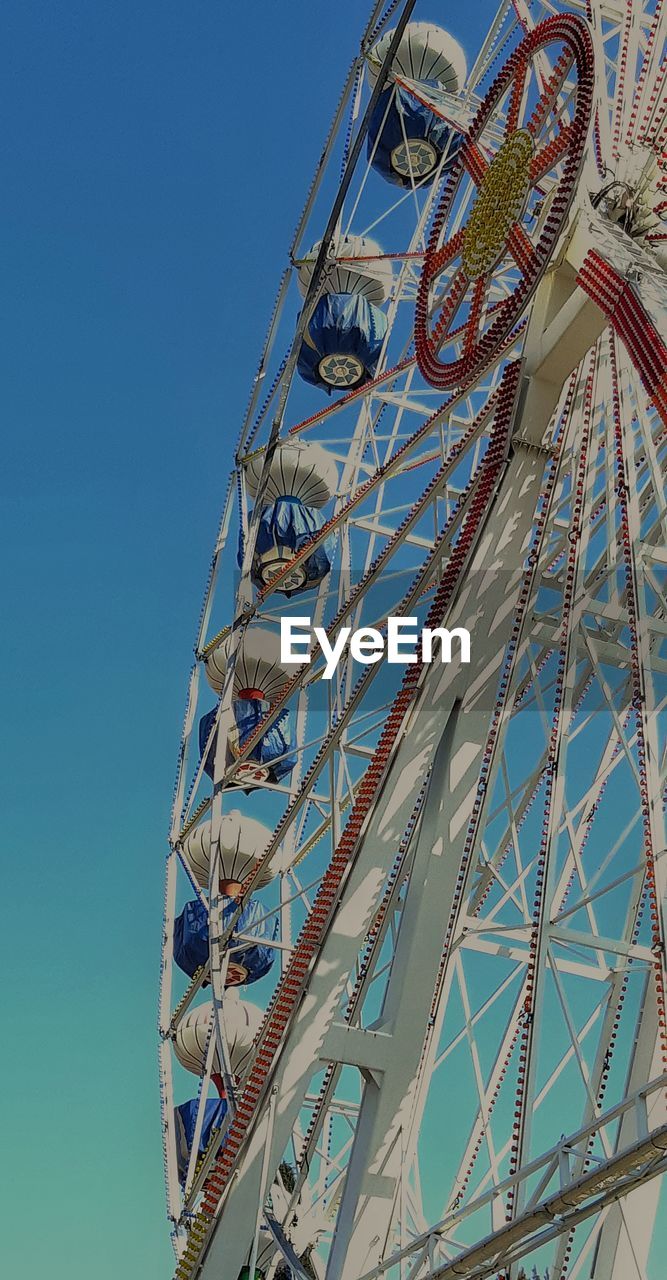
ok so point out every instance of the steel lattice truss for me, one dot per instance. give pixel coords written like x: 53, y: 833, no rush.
x: 460, y: 1068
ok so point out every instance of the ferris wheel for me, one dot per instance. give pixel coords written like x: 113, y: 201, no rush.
x: 412, y: 1007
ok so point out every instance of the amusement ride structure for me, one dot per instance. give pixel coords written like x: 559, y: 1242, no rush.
x: 412, y: 1012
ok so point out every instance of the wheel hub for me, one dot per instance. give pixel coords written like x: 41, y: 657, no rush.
x: 499, y: 204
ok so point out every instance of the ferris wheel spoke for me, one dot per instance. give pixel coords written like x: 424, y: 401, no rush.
x: 549, y: 97
x: 475, y: 320
x: 456, y: 293
x: 516, y: 102
x: 475, y: 162
x: 551, y: 154
x: 521, y: 247
x: 442, y: 257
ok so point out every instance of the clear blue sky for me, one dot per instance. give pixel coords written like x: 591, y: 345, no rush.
x: 155, y: 156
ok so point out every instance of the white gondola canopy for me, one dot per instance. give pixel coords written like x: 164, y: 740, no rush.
x: 425, y: 52
x: 301, y: 479
x: 257, y: 667
x: 372, y: 276
x: 304, y: 471
x: 241, y: 1024
x: 242, y: 843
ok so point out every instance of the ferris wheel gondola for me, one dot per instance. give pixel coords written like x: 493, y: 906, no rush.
x: 241, y: 843
x: 301, y: 480
x: 259, y: 674
x: 409, y: 142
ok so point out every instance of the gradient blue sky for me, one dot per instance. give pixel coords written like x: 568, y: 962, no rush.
x: 155, y: 156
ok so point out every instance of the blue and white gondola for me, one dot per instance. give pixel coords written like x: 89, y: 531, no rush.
x: 343, y: 341
x: 407, y: 140
x: 191, y: 1039
x: 302, y: 479
x: 251, y: 955
x: 258, y: 676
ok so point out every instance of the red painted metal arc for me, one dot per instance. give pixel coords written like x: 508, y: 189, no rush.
x: 549, y: 95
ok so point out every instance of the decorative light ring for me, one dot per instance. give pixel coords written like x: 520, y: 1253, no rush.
x: 494, y: 229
